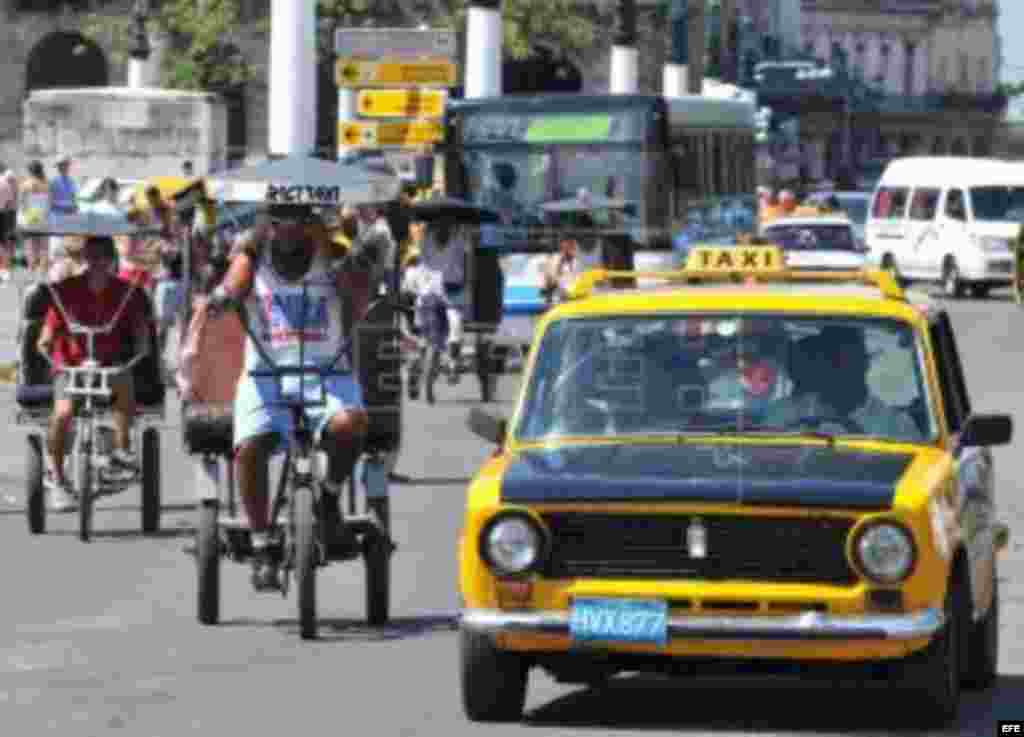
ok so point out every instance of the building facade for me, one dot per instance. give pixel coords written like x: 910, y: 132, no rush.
x: 933, y: 64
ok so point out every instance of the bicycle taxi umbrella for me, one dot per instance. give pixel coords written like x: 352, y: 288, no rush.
x: 452, y: 208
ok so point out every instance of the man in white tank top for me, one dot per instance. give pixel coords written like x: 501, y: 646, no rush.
x: 290, y: 290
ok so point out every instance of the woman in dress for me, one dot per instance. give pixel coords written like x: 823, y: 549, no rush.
x: 34, y: 211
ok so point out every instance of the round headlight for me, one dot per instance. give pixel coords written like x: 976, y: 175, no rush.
x: 885, y: 552
x: 512, y: 544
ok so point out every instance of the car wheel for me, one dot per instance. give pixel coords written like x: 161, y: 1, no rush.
x: 934, y: 674
x: 493, y: 682
x: 889, y: 264
x: 982, y: 660
x: 980, y: 291
x: 952, y: 285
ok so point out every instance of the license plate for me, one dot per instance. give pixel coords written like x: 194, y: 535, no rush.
x: 619, y: 620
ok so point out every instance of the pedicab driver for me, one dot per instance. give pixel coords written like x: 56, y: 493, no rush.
x: 269, y: 267
x: 94, y: 298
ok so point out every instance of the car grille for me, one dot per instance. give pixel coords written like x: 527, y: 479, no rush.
x: 739, y: 548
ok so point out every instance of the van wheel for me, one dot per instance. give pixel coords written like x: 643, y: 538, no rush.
x: 889, y: 264
x: 952, y: 285
x: 980, y: 291
x: 982, y: 661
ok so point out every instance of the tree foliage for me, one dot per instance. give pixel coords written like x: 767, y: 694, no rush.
x: 199, y: 53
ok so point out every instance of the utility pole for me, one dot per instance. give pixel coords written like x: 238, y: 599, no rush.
x: 625, y: 72
x: 684, y: 71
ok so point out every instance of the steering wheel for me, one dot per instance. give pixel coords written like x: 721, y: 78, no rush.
x: 818, y: 421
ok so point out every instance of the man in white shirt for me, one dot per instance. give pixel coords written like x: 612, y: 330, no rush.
x: 574, y: 257
x: 444, y: 254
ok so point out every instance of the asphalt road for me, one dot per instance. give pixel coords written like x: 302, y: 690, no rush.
x: 102, y: 638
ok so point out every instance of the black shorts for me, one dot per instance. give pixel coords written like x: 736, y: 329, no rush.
x: 8, y: 221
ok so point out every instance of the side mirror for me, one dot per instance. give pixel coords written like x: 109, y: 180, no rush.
x: 987, y: 430
x: 487, y: 426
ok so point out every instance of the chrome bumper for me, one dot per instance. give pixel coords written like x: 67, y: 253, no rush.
x: 808, y: 626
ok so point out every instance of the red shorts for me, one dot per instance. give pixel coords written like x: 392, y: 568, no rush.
x: 137, y: 275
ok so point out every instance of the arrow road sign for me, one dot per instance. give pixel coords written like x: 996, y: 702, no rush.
x: 401, y: 103
x: 364, y: 134
x: 403, y: 43
x: 351, y: 72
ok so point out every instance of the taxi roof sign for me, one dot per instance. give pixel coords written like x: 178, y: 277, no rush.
x: 737, y: 259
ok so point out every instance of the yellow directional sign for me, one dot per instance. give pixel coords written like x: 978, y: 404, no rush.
x: 395, y: 72
x: 402, y: 103
x: 370, y: 135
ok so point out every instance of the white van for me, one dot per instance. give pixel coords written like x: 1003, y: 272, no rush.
x: 947, y: 219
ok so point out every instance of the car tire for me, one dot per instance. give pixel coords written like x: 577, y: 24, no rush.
x: 981, y: 663
x: 980, y: 291
x: 952, y: 284
x: 889, y: 264
x: 934, y: 674
x: 493, y: 682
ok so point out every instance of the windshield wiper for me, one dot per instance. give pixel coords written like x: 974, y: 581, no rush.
x: 733, y: 431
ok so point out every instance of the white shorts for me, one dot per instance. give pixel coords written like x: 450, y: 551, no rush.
x: 256, y: 415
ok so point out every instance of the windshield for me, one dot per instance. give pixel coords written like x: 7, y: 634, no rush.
x: 998, y: 203
x: 518, y: 181
x: 682, y: 374
x: 812, y: 237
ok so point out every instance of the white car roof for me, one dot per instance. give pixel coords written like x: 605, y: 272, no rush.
x: 809, y: 220
x: 964, y: 171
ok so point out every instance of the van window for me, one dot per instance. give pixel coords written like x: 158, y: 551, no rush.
x: 998, y: 203
x: 890, y: 203
x: 924, y: 203
x: 955, y: 208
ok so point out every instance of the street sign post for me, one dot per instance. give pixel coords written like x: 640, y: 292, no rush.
x: 400, y: 43
x: 368, y: 134
x: 419, y: 103
x: 351, y: 72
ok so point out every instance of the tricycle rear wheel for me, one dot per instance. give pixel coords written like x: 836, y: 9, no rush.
x: 150, y: 481
x: 305, y: 560
x: 208, y: 562
x: 377, y: 558
x: 35, y: 492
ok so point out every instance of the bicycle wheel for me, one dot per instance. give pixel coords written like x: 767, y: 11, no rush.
x: 377, y: 558
x: 35, y: 492
x: 304, y: 540
x: 84, y: 485
x: 208, y: 561
x: 150, y: 481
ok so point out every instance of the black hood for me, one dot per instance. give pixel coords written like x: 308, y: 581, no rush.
x: 781, y: 475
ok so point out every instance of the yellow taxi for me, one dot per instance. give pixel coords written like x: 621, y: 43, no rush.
x: 765, y: 468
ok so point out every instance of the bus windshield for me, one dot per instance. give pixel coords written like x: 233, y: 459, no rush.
x: 525, y: 183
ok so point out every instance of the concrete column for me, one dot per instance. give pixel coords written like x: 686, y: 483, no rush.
x: 483, y: 49
x: 675, y: 74
x: 625, y: 73
x: 136, y: 73
x: 292, y: 102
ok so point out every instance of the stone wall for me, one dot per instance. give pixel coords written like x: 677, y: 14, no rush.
x: 131, y: 134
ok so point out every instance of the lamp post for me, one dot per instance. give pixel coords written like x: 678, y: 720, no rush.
x: 141, y: 48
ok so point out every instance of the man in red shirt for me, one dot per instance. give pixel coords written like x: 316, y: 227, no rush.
x: 94, y: 298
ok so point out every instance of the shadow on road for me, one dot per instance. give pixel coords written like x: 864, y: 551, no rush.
x: 101, y: 535
x: 767, y: 705
x: 438, y: 481
x: 356, y: 630
x: 101, y: 507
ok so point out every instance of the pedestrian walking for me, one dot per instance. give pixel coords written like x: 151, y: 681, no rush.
x: 34, y: 212
x: 8, y: 220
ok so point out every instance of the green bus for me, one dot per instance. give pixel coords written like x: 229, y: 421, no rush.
x: 664, y: 161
